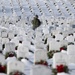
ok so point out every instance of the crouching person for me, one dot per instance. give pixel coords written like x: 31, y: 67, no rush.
x: 36, y: 22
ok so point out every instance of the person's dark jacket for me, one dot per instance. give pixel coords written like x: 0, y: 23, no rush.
x: 36, y: 23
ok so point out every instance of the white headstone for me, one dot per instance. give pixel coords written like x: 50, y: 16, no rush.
x: 54, y: 32
x: 59, y: 37
x: 71, y: 53
x: 0, y: 46
x: 26, y: 43
x: 70, y: 38
x: 49, y: 40
x: 54, y: 45
x: 46, y: 30
x: 0, y: 39
x: 22, y: 51
x: 5, y: 40
x: 63, y: 73
x: 74, y: 35
x: 40, y: 55
x: 10, y: 35
x: 10, y: 46
x: 15, y: 66
x: 71, y: 49
x: 39, y: 69
x: 40, y: 45
x: 10, y: 59
x: 60, y: 58
x: 38, y: 34
x: 2, y: 59
x: 71, y: 59
x: 64, y: 43
x: 65, y: 33
x: 4, y: 34
x: 36, y: 39
x: 29, y: 37
x: 16, y: 41
x: 0, y: 34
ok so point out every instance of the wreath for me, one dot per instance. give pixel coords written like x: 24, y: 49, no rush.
x: 59, y: 69
x: 16, y: 73
x: 10, y: 54
x: 42, y: 62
